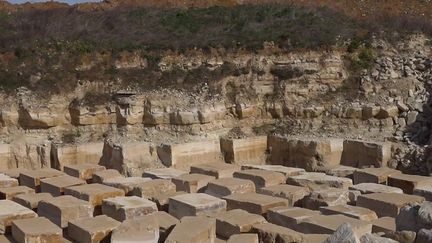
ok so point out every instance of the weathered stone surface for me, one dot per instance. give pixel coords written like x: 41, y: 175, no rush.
x: 195, y: 204
x: 14, y: 173
x: 294, y: 194
x: 218, y: 170
x: 36, y: 230
x: 235, y: 222
x: 7, y: 181
x: 192, y: 183
x: 261, y: 178
x: 424, y: 191
x: 344, y: 233
x: 10, y: 211
x: 32, y: 178
x: 289, y: 217
x: 367, y: 188
x: 323, y: 197
x: 328, y: 224
x: 31, y: 200
x: 60, y: 210
x: 165, y: 221
x: 370, y: 238
x: 94, y: 193
x: 341, y: 171
x: 272, y: 233
x: 82, y: 171
x: 374, y: 175
x: 409, y: 182
x: 227, y: 186
x: 162, y: 200
x: 414, y: 217
x: 193, y: 229
x: 11, y: 192
x: 183, y: 156
x: 402, y: 236
x: 73, y: 154
x: 140, y: 229
x: 386, y: 204
x: 424, y: 236
x: 253, y: 202
x: 56, y: 185
x: 124, y: 208
x: 287, y: 171
x: 350, y: 211
x: 127, y: 184
x: 90, y: 230
x: 154, y: 188
x: 315, y: 238
x: 241, y: 238
x: 245, y: 150
x: 6, y: 239
x: 101, y: 176
x: 312, y: 180
x: 384, y: 224
x: 165, y: 173
x: 357, y: 153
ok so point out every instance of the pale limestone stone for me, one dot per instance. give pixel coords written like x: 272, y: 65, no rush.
x: 360, y: 154
x: 101, y: 176
x: 341, y: 171
x: 31, y: 200
x: 90, y: 230
x: 124, y: 208
x: 424, y: 191
x: 289, y: 217
x: 140, y: 229
x: 193, y: 229
x: 261, y: 178
x: 387, y: 204
x: 14, y: 173
x: 350, y: 211
x: 10, y: 211
x: 218, y: 170
x: 162, y: 200
x: 384, y: 224
x: 227, y: 186
x: 11, y: 192
x: 268, y: 232
x: 165, y: 173
x: 313, y: 180
x: 374, y: 175
x: 367, y: 188
x: 326, y: 197
x: 241, y: 238
x: 94, y: 193
x: 127, y: 184
x: 245, y: 150
x: 408, y: 182
x: 328, y: 224
x: 165, y: 221
x: 32, y: 178
x: 253, y: 202
x: 192, y: 183
x: 235, y: 222
x: 82, y: 171
x: 60, y: 210
x: 195, y: 204
x: 72, y: 154
x: 294, y: 194
x: 56, y: 185
x: 7, y: 181
x: 287, y: 171
x: 36, y: 230
x: 154, y: 188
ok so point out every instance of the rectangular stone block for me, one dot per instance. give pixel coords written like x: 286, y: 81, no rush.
x: 261, y: 178
x: 10, y: 211
x: 313, y: 180
x: 14, y: 173
x: 326, y: 196
x: 60, y: 210
x: 195, y: 204
x: 183, y: 156
x: 74, y: 154
x: 90, y: 230
x: 327, y: 224
x: 360, y: 154
x: 287, y: 171
x: 235, y: 222
x: 193, y: 229
x: 387, y: 204
x: 341, y: 171
x: 367, y: 188
x: 11, y: 192
x: 162, y: 200
x: 32, y: 178
x: 289, y: 217
x: 36, y: 230
x: 56, y: 185
x: 294, y: 194
x: 350, y: 211
x: 124, y: 208
x: 127, y: 184
x: 253, y: 202
x: 141, y: 229
x: 165, y: 173
x: 154, y: 188
x: 218, y: 170
x: 7, y: 181
x: 227, y: 186
x: 102, y: 175
x: 192, y: 183
x: 166, y: 223
x: 245, y: 150
x: 424, y: 191
x: 240, y: 238
x: 31, y: 200
x: 268, y: 231
x: 384, y: 224
x: 82, y: 171
x: 94, y: 193
x: 374, y: 175
x: 409, y: 182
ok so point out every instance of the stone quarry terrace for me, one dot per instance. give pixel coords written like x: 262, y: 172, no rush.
x: 308, y: 191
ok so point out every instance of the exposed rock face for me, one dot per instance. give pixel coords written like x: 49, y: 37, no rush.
x: 365, y: 154
x: 63, y: 155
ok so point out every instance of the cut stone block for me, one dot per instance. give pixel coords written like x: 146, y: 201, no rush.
x: 70, y: 154
x: 14, y: 173
x: 287, y: 171
x: 218, y: 170
x: 82, y: 171
x: 36, y: 230
x: 289, y: 217
x: 192, y: 183
x: 387, y: 204
x: 165, y: 173
x: 313, y: 180
x: 90, y: 230
x: 60, y: 210
x: 315, y: 238
x: 183, y: 156
x: 6, y: 239
x: 227, y: 186
x: 341, y: 171
x: 166, y: 223
x: 326, y: 197
x: 241, y: 238
x: 195, y: 204
x: 32, y: 178
x: 10, y: 211
x: 154, y: 188
x: 127, y: 184
x: 238, y: 151
x: 384, y: 224
x: 267, y: 232
x: 31, y: 200
x: 424, y: 191
x: 367, y: 188
x: 193, y: 229
x: 253, y: 202
x: 294, y: 194
x: 7, y: 181
x: 350, y: 211
x: 235, y: 222
x: 327, y: 224
x: 374, y: 175
x: 124, y: 208
x: 162, y: 200
x: 261, y: 178
x: 94, y: 193
x: 409, y: 182
x: 145, y: 230
x: 56, y: 185
x: 11, y: 192
x: 360, y: 154
x: 102, y: 175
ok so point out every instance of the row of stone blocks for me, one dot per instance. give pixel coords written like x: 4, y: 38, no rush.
x: 271, y: 201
